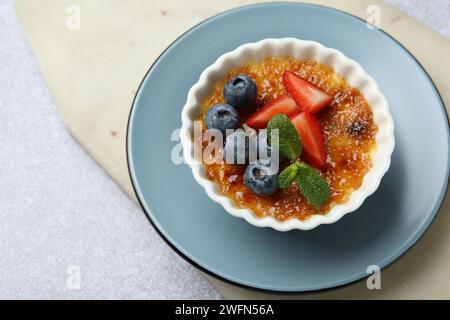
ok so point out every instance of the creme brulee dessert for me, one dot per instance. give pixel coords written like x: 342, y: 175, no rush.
x: 333, y: 124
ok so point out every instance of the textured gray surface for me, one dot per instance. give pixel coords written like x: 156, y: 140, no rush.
x: 433, y: 13
x: 59, y: 209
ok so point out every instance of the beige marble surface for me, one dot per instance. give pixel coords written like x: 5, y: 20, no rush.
x: 125, y: 37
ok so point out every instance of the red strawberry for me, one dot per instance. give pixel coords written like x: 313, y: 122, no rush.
x: 313, y: 145
x: 283, y: 104
x: 308, y: 96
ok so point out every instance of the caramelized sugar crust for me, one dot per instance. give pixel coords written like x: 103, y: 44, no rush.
x: 349, y: 132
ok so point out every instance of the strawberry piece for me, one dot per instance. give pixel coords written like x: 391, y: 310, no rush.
x: 313, y: 145
x: 308, y: 96
x: 283, y: 104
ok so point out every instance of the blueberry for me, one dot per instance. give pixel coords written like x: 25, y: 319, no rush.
x: 222, y: 117
x: 240, y: 91
x: 260, y: 178
x: 240, y: 148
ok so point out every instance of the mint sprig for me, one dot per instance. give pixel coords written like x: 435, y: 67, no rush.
x: 287, y: 176
x: 289, y: 143
x: 314, y: 188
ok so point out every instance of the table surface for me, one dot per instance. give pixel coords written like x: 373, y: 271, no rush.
x: 67, y: 230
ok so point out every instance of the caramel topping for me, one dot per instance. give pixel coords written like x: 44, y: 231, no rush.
x: 349, y: 132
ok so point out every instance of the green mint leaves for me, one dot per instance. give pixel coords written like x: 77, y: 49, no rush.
x: 289, y: 143
x: 314, y: 188
x: 287, y: 176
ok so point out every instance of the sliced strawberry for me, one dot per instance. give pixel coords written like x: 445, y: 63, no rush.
x: 313, y: 145
x: 283, y: 104
x: 308, y: 96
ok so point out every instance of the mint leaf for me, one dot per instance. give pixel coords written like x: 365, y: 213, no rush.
x: 314, y: 188
x: 289, y: 143
x: 287, y: 176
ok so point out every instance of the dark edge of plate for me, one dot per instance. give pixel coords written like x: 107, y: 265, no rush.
x: 208, y: 272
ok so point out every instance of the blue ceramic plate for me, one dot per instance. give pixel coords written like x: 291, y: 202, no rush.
x: 388, y: 223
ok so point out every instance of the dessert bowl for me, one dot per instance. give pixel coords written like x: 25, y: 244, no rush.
x: 302, y: 50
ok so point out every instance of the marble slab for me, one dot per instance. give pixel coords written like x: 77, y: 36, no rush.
x: 80, y: 60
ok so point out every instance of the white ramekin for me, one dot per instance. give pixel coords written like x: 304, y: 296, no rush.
x: 304, y: 50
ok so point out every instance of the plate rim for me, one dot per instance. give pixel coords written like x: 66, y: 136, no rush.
x: 387, y: 263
